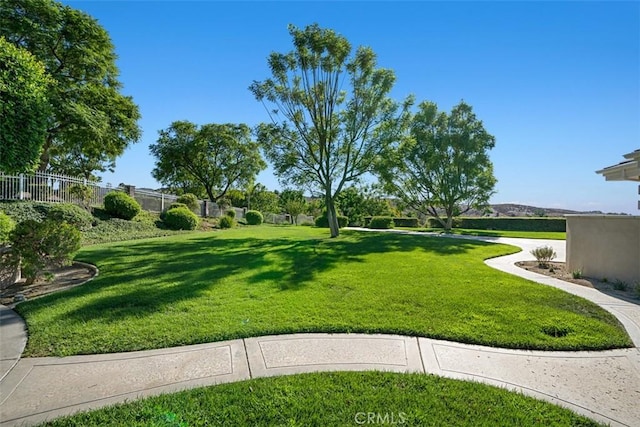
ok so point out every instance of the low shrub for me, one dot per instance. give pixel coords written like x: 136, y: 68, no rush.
x: 620, y: 285
x: 576, y: 274
x: 190, y: 200
x: 253, y: 218
x: 544, y: 255
x: 21, y: 211
x: 231, y: 213
x: 323, y: 221
x: 6, y: 227
x: 71, y: 214
x: 177, y: 205
x: 39, y: 245
x: 505, y: 223
x: 226, y: 222
x: 180, y: 218
x: 407, y: 222
x: 121, y: 205
x: 381, y: 222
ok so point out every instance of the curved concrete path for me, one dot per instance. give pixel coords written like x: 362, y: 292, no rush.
x: 602, y: 385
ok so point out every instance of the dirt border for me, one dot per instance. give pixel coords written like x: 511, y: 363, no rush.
x: 68, y: 277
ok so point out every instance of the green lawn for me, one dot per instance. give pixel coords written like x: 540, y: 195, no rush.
x: 336, y: 399
x: 254, y: 281
x: 550, y: 235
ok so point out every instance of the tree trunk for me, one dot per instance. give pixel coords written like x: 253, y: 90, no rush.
x: 332, y: 217
x: 449, y: 223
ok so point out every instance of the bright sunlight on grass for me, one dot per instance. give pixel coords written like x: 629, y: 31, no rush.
x: 254, y: 281
x: 336, y: 399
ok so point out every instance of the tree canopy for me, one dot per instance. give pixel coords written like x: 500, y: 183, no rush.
x: 215, y: 156
x: 330, y: 113
x: 23, y: 107
x: 90, y: 122
x: 293, y: 202
x: 442, y: 168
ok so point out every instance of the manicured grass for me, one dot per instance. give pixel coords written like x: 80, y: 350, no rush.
x: 550, y: 235
x: 264, y: 280
x: 336, y: 399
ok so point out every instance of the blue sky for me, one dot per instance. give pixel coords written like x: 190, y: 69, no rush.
x: 557, y: 83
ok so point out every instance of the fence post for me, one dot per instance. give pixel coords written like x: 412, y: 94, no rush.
x: 161, y: 202
x: 21, y: 187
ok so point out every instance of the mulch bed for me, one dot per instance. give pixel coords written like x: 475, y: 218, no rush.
x: 63, y: 278
x: 558, y: 270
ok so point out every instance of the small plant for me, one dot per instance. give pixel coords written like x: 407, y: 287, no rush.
x: 637, y: 290
x: 619, y: 285
x: 604, y: 280
x: 231, y: 213
x: 253, y: 218
x: 381, y: 222
x: 180, y: 218
x: 190, y: 200
x: 177, y: 205
x: 121, y: 205
x: 6, y: 227
x: 544, y: 255
x: 83, y: 193
x: 226, y: 222
x: 576, y: 274
x: 39, y: 245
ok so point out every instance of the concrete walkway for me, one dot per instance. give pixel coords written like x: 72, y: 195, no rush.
x: 602, y: 385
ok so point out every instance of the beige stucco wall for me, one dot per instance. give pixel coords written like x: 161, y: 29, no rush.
x: 604, y: 246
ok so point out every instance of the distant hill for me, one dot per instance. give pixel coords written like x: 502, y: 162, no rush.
x: 511, y: 209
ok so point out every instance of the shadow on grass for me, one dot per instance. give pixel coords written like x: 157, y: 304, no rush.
x: 140, y: 278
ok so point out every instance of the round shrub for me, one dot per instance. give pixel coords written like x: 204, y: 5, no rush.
x: 121, y: 205
x: 231, y: 213
x: 6, y: 227
x: 180, y: 218
x: 381, y: 222
x: 71, y: 214
x: 190, y: 200
x: 38, y: 245
x: 177, y: 205
x: 323, y: 221
x: 226, y: 222
x: 253, y: 218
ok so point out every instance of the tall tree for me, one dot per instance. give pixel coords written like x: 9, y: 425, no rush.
x: 91, y: 123
x: 443, y: 166
x: 357, y: 203
x: 331, y: 115
x: 293, y: 203
x: 216, y: 156
x: 23, y: 107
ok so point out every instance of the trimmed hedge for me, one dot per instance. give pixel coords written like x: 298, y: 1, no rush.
x: 71, y: 214
x: 505, y: 224
x: 231, y: 213
x: 253, y: 218
x: 323, y: 221
x: 381, y: 222
x: 180, y: 218
x: 121, y: 205
x: 399, y: 222
x: 21, y: 211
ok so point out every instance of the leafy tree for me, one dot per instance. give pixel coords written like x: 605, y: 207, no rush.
x: 293, y: 203
x: 216, y: 156
x: 331, y: 114
x: 264, y: 200
x: 356, y: 204
x: 90, y: 123
x: 23, y: 107
x: 238, y: 198
x: 443, y: 166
